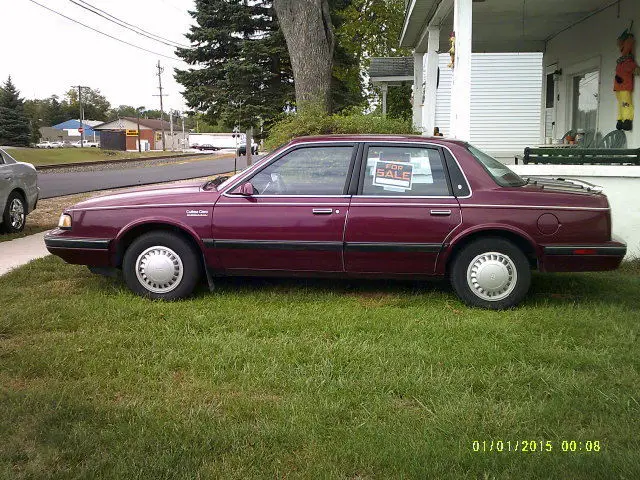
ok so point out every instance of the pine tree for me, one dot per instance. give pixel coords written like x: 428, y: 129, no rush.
x: 14, y: 124
x: 244, y: 73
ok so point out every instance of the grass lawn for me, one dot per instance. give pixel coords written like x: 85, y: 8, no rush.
x: 53, y: 156
x: 315, y: 379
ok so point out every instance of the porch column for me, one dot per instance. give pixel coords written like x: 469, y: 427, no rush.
x: 461, y: 88
x: 418, y: 78
x: 431, y: 79
x: 385, y: 88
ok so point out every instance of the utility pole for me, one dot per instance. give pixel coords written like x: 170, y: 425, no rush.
x: 138, y: 110
x: 160, y: 70
x: 184, y: 138
x: 171, y: 126
x: 80, y: 87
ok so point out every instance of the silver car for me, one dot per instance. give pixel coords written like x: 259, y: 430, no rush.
x: 19, y: 192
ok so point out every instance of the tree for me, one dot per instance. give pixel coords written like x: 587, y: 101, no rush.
x: 371, y: 28
x: 95, y: 105
x: 244, y: 75
x: 14, y: 123
x: 308, y: 30
x: 122, y: 111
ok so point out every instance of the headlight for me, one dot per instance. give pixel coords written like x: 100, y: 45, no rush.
x: 65, y: 221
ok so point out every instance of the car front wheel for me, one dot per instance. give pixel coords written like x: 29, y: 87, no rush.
x: 14, y: 215
x: 161, y: 265
x: 491, y: 273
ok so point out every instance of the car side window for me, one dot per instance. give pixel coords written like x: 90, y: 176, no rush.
x: 306, y: 171
x: 404, y: 171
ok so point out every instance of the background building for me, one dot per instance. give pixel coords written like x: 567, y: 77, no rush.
x: 122, y: 134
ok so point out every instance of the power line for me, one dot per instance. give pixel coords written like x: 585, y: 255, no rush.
x: 105, y: 34
x: 121, y: 23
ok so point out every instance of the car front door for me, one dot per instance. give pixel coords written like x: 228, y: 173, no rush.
x: 403, y: 212
x: 295, y: 219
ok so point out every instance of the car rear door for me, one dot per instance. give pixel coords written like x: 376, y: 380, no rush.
x: 296, y: 220
x: 403, y: 212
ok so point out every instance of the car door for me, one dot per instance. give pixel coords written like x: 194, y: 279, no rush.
x: 403, y: 211
x: 295, y: 221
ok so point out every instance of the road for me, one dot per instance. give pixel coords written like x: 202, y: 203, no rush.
x: 58, y: 184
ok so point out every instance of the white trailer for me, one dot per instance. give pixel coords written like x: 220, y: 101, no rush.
x: 216, y: 141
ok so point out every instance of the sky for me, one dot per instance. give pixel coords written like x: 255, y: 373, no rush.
x: 46, y: 54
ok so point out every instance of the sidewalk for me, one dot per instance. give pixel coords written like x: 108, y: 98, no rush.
x: 21, y: 251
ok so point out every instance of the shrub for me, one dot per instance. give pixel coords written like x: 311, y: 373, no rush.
x: 314, y: 121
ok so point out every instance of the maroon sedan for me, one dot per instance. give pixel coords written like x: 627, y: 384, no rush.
x: 349, y: 206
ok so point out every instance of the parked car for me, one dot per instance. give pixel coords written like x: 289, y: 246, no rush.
x: 87, y: 144
x: 45, y: 144
x: 19, y: 192
x: 242, y: 149
x: 350, y: 206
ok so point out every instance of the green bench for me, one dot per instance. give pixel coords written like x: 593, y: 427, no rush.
x: 580, y: 156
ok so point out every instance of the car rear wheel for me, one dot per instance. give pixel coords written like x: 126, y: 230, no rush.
x: 491, y: 273
x: 161, y: 265
x: 14, y: 215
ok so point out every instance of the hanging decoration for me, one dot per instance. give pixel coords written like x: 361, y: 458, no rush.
x: 626, y: 68
x: 452, y: 49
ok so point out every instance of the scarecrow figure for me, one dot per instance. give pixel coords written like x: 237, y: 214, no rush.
x: 623, y: 85
x: 452, y: 49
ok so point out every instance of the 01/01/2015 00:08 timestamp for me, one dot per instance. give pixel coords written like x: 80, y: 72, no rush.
x: 533, y: 446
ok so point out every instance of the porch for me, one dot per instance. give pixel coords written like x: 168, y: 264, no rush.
x: 577, y: 39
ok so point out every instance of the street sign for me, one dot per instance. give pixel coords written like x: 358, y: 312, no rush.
x: 81, y: 129
x: 132, y: 133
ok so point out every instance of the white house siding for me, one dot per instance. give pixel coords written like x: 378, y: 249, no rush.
x: 505, y: 101
x: 592, y: 43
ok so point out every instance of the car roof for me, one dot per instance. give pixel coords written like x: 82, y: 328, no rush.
x: 376, y: 138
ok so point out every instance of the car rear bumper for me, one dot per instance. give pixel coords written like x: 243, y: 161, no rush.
x: 583, y: 258
x: 78, y: 250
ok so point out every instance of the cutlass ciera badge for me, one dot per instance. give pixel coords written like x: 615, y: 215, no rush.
x: 197, y: 213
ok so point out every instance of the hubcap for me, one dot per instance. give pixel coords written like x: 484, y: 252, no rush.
x: 16, y: 213
x: 159, y: 269
x: 492, y: 276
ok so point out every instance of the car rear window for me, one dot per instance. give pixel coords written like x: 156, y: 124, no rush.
x: 503, y: 175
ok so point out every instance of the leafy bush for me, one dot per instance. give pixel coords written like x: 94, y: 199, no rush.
x: 314, y: 121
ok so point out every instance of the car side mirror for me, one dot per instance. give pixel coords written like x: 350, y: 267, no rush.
x: 246, y: 190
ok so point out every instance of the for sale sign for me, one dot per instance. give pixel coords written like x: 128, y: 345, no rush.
x: 393, y: 174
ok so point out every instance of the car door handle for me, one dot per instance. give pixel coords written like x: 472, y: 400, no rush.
x: 443, y: 213
x: 322, y: 211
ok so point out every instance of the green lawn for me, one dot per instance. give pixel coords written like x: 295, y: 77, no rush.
x: 315, y: 379
x: 54, y: 156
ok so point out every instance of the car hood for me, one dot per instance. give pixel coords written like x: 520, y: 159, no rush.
x: 172, y: 194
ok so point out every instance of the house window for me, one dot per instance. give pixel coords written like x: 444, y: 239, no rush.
x: 585, y: 101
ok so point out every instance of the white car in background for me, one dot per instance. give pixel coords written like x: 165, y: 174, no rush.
x: 46, y: 144
x: 87, y: 143
x: 19, y: 192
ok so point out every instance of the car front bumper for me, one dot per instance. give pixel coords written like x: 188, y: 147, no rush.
x: 78, y: 250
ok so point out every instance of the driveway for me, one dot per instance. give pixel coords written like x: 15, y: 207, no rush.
x: 58, y: 184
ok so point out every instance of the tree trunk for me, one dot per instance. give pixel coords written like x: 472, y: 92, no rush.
x: 307, y: 28
x: 249, y: 145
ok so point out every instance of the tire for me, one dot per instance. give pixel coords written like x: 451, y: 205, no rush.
x: 491, y: 273
x: 14, y: 216
x: 177, y: 266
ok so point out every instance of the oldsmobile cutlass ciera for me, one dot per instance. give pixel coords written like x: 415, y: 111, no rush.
x: 351, y: 206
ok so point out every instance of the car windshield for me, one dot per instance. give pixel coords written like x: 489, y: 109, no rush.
x: 503, y: 175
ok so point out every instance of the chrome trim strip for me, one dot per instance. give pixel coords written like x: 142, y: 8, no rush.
x: 147, y: 205
x: 536, y: 207
x: 77, y: 242
x: 282, y: 204
x: 322, y: 246
x: 451, y: 205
